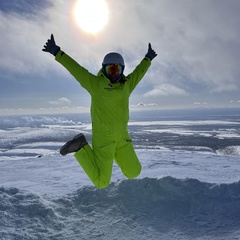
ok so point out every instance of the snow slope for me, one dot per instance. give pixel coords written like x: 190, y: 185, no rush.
x: 188, y: 189
x: 51, y: 198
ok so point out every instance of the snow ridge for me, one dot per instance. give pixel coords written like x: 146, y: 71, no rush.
x: 148, y: 208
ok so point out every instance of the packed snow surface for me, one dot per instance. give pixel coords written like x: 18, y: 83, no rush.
x: 188, y: 189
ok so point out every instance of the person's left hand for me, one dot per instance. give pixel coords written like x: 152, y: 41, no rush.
x: 151, y: 53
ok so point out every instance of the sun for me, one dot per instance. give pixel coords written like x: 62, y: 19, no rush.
x: 91, y: 15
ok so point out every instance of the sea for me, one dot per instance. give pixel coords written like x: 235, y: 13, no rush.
x: 188, y: 189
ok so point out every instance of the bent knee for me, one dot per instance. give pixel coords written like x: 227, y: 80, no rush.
x: 133, y: 173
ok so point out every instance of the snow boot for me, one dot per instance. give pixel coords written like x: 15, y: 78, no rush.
x: 74, y: 145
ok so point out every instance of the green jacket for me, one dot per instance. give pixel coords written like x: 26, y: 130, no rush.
x: 109, y: 102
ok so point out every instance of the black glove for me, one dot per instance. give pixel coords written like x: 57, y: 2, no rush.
x: 51, y: 46
x: 151, y: 53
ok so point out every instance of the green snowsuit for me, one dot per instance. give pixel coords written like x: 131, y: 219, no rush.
x: 110, y: 115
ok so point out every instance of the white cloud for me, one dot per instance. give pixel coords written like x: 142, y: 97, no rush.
x: 232, y: 101
x: 196, y: 42
x: 225, y: 88
x: 200, y: 103
x: 166, y: 90
x: 61, y: 101
x: 141, y: 104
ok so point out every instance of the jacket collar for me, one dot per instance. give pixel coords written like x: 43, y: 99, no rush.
x: 100, y: 73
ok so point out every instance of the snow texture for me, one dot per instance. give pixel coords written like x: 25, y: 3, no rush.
x: 188, y: 189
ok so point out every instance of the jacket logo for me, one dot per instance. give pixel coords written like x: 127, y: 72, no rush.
x: 110, y: 88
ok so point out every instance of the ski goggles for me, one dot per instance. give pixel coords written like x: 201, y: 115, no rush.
x: 114, y: 69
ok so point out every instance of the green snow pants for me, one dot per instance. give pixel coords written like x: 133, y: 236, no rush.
x: 97, y: 161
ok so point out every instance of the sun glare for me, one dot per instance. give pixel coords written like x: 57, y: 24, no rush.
x: 91, y: 15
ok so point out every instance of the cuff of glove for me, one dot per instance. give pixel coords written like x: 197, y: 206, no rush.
x: 55, y: 50
x: 148, y: 56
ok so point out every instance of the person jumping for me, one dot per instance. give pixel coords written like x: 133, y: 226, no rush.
x: 110, y: 90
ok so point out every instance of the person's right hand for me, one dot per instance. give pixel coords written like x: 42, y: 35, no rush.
x: 51, y: 46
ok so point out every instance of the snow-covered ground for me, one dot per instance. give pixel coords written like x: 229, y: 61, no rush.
x: 186, y: 191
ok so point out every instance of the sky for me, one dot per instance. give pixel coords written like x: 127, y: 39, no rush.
x: 197, y: 42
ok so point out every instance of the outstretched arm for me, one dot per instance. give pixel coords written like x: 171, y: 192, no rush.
x: 81, y: 74
x: 139, y: 72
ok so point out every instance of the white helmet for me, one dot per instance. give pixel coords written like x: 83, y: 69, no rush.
x: 113, y: 58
